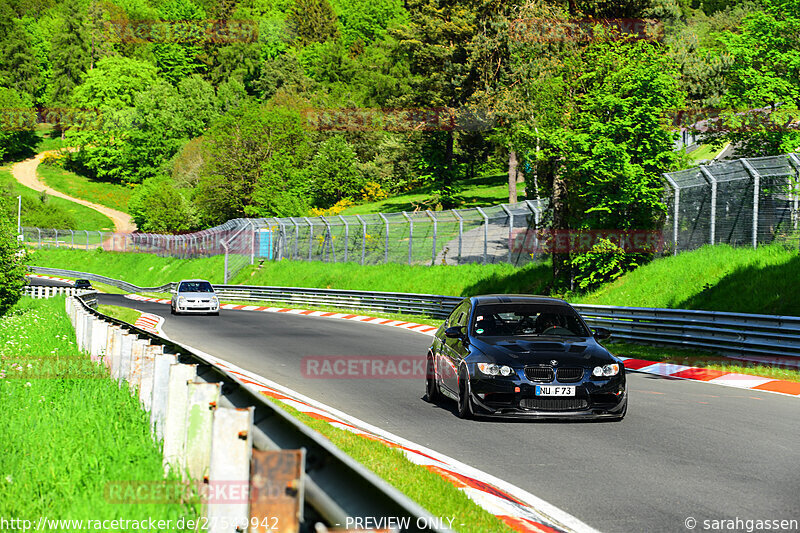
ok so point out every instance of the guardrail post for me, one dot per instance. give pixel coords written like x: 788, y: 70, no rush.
x: 148, y: 368
x: 278, y: 491
x: 485, y: 235
x: 137, y: 356
x: 202, y: 402
x: 161, y: 366
x: 346, y: 236
x: 713, y: 182
x: 111, y: 343
x: 410, y: 234
x: 88, y: 318
x: 126, y: 349
x: 756, y: 195
x: 386, y: 238
x: 231, y: 450
x: 435, y: 229
x: 99, y: 339
x: 676, y: 192
x: 175, y: 415
x: 363, y: 238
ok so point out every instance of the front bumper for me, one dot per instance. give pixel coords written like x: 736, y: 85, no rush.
x: 515, y: 397
x: 197, y: 307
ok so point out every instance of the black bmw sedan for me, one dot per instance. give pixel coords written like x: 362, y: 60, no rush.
x: 518, y: 356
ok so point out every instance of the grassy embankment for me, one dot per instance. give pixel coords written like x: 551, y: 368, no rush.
x: 113, y: 195
x: 719, y: 278
x: 52, y: 212
x: 69, y: 429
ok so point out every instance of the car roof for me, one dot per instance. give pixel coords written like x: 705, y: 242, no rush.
x: 487, y: 299
x: 194, y: 280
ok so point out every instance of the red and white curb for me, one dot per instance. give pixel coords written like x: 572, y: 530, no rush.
x: 53, y: 278
x: 519, y: 509
x: 411, y: 326
x: 668, y: 370
x: 717, y: 377
x: 151, y: 323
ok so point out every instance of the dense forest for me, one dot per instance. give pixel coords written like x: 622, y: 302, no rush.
x: 215, y: 109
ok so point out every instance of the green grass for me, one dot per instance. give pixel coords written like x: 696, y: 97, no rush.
x: 126, y: 314
x: 705, y: 151
x: 145, y: 270
x: 113, y: 195
x: 70, y: 431
x: 718, y: 278
x: 54, y: 212
x: 48, y: 139
x: 479, y: 191
x: 430, y: 490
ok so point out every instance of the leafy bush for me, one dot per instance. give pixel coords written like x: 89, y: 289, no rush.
x: 12, y: 266
x: 604, y: 262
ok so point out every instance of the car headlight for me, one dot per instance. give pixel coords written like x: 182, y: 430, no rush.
x: 214, y: 300
x: 491, y: 369
x: 181, y: 300
x: 606, y: 370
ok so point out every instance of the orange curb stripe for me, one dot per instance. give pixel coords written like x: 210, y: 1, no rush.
x: 786, y: 387
x: 521, y: 524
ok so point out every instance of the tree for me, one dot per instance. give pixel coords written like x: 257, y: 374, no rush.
x: 12, y: 265
x: 70, y: 54
x: 256, y: 165
x: 18, y: 65
x: 334, y: 172
x: 312, y: 21
x: 17, y: 137
x: 184, y: 57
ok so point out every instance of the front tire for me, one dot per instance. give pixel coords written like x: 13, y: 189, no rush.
x: 432, y: 393
x: 172, y: 310
x: 464, y: 399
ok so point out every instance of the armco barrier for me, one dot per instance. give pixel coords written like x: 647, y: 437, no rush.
x: 726, y: 333
x: 177, y: 385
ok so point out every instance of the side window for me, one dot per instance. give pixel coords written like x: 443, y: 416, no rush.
x: 455, y: 316
x: 463, y: 315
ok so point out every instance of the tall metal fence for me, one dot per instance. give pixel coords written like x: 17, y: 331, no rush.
x: 738, y: 202
x: 497, y: 234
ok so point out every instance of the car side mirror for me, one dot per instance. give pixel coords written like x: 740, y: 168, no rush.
x: 454, y: 332
x: 602, y: 334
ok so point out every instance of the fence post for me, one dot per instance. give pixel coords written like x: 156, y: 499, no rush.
x: 756, y: 194
x: 225, y: 247
x: 410, y: 235
x: 346, y: 236
x: 310, y: 236
x: 386, y: 239
x: 676, y: 209
x: 56, y: 237
x: 435, y: 230
x: 87, y: 240
x: 296, y: 237
x: 713, y: 182
x: 485, y: 234
x: 363, y: 237
x: 72, y: 238
x: 40, y: 237
x: 460, y: 231
x: 329, y: 239
x: 795, y: 162
x: 510, y: 228
x: 252, y: 242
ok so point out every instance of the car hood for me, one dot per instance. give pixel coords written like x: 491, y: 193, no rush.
x: 518, y: 351
x: 197, y: 295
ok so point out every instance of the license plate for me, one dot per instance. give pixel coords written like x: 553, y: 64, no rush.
x: 551, y: 390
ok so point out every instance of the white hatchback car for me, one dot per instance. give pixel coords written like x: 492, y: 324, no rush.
x: 194, y: 296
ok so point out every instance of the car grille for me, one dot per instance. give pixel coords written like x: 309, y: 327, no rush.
x: 553, y: 404
x: 569, y: 374
x: 539, y: 373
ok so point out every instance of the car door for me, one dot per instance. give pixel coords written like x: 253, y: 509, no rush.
x: 454, y: 350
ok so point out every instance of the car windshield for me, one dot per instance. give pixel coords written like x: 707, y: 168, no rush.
x: 195, y: 286
x: 521, y: 319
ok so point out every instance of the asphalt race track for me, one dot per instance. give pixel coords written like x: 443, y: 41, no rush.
x: 47, y: 282
x: 685, y: 449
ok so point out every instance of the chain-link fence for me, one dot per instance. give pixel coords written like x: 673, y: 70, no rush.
x: 739, y: 202
x: 494, y: 234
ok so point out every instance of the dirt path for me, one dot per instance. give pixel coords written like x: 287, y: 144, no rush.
x: 25, y: 173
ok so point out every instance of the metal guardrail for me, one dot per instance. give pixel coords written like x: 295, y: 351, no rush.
x: 124, y: 285
x: 335, y: 485
x: 717, y: 331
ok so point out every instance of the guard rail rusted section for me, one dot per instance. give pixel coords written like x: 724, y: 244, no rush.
x: 722, y: 332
